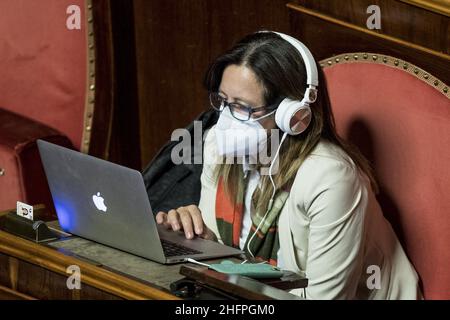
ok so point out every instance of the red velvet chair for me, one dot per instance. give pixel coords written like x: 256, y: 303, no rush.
x: 399, y: 117
x: 45, y: 91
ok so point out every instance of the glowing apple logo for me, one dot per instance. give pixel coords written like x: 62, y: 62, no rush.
x: 99, y: 202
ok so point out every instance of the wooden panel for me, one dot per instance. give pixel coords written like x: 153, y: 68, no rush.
x: 8, y: 294
x: 115, y: 123
x: 398, y: 19
x: 326, y: 38
x: 438, y: 6
x: 32, y: 281
x: 175, y: 42
x: 45, y: 284
x: 125, y: 126
x: 4, y: 271
x: 104, y: 79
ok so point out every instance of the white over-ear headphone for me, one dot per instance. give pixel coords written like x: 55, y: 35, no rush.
x: 294, y: 116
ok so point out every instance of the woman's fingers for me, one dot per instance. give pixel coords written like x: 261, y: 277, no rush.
x: 196, y: 219
x: 161, y: 218
x: 174, y: 220
x: 186, y: 221
x: 189, y: 219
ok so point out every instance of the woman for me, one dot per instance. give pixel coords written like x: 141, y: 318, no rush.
x: 316, y: 212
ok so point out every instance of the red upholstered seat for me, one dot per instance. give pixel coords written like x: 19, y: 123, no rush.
x: 402, y: 124
x: 19, y: 158
x: 43, y: 64
x: 44, y: 79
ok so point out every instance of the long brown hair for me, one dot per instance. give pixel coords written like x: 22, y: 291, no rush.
x: 281, y: 70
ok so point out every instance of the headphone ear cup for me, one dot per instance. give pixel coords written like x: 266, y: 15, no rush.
x: 300, y: 120
x: 293, y: 116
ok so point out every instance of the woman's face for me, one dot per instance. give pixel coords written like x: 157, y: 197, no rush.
x: 240, y: 85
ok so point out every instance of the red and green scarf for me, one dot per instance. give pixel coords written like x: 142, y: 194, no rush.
x: 229, y: 216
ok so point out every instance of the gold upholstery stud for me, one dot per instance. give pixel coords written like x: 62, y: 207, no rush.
x: 92, y: 87
x: 388, y: 60
x: 2, y: 172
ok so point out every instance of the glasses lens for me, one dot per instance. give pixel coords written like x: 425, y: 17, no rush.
x: 239, y: 111
x: 216, y: 101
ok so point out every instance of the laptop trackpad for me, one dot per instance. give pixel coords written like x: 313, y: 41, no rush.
x: 208, y: 248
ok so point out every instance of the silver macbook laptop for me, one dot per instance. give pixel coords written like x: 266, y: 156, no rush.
x: 108, y: 203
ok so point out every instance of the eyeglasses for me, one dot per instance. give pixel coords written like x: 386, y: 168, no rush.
x: 238, y: 111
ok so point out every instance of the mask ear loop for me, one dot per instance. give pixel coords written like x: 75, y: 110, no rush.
x: 269, y: 207
x: 262, y: 117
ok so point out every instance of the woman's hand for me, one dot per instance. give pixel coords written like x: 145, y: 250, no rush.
x: 189, y: 219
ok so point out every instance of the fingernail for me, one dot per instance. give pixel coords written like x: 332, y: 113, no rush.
x: 189, y: 235
x: 199, y: 231
x: 176, y: 227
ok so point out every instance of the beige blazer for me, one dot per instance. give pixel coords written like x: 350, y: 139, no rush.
x: 331, y: 228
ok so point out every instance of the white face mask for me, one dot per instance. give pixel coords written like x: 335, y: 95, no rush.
x: 239, y: 138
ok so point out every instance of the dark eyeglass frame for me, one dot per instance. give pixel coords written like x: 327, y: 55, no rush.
x: 232, y: 105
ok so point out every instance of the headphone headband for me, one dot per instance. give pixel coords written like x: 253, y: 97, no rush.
x: 312, y: 77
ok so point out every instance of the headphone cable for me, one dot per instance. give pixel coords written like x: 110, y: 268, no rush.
x: 269, y: 206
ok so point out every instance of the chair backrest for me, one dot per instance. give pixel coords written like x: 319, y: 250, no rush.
x: 399, y: 117
x: 44, y: 64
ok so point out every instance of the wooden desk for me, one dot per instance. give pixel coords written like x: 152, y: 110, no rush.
x: 29, y: 270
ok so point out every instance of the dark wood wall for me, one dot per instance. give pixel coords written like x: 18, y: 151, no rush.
x: 176, y: 40
x: 160, y: 49
x: 115, y: 130
x: 331, y: 27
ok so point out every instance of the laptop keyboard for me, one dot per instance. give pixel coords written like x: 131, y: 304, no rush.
x: 172, y: 249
